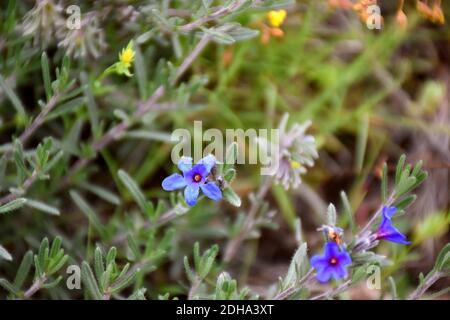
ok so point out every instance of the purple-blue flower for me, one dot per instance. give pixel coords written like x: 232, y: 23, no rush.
x: 333, y: 264
x: 387, y: 231
x: 194, y: 179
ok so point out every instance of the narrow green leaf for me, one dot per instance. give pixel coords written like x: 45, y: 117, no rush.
x: 99, y: 266
x: 384, y: 183
x: 9, y: 287
x: 52, y: 284
x: 89, y: 281
x: 102, y: 193
x: 399, y: 169
x: 331, y: 215
x: 46, y: 76
x: 24, y: 269
x: 230, y: 196
x: 4, y: 254
x: 17, y: 104
x: 134, y: 190
x: 348, y: 210
x: 38, y: 205
x: 88, y: 211
x: 13, y: 205
x: 393, y: 288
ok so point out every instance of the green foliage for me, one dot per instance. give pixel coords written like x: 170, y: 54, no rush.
x: 108, y: 278
x: 86, y: 142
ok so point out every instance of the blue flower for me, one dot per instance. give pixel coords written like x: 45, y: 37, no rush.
x: 194, y: 179
x: 386, y: 230
x: 333, y: 264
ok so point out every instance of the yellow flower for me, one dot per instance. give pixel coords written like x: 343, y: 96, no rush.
x: 276, y: 17
x: 126, y: 56
x: 295, y: 164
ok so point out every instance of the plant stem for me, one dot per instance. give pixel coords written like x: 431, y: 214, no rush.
x: 420, y: 291
x: 292, y: 290
x: 375, y: 216
x: 234, y: 243
x: 194, y: 287
x: 25, y: 186
x: 143, y: 108
x: 331, y: 293
x: 36, y: 286
x: 220, y: 12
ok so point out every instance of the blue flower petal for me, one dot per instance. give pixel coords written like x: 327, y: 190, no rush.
x: 200, y: 169
x: 324, y: 274
x: 331, y: 250
x: 212, y: 191
x: 388, y: 232
x: 173, y: 182
x: 344, y: 258
x: 209, y: 162
x: 319, y: 262
x: 185, y: 164
x: 388, y: 212
x: 191, y: 194
x: 339, y: 272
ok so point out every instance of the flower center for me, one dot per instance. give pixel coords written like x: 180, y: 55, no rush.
x: 333, y: 261
x: 197, y: 177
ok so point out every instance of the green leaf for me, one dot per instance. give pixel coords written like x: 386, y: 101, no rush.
x: 9, y: 287
x: 230, y: 196
x: 219, y: 36
x: 399, y: 169
x: 240, y: 33
x: 99, y: 266
x: 393, y: 288
x: 24, y: 269
x: 384, y: 183
x: 102, y: 193
x: 331, y: 215
x: 229, y: 175
x: 135, y: 191
x: 297, y: 268
x: 348, y: 210
x: 91, y: 105
x: 52, y: 284
x: 88, y: 211
x: 89, y: 281
x: 405, y: 202
x: 123, y: 283
x: 4, y: 254
x: 13, y: 205
x: 189, y: 272
x: 361, y: 143
x: 17, y: 104
x: 46, y: 76
x: 207, y: 261
x: 42, y: 207
x: 443, y: 258
x: 405, y: 185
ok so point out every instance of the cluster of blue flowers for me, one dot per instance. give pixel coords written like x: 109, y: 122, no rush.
x: 335, y: 260
x: 193, y: 179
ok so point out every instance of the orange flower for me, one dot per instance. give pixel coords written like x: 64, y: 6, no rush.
x: 402, y: 19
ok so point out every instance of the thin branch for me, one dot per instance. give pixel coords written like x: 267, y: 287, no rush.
x: 375, y: 216
x: 331, y: 293
x: 234, y: 243
x: 420, y: 291
x: 36, y: 286
x: 25, y: 186
x: 286, y: 294
x: 117, y: 132
x: 220, y: 12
